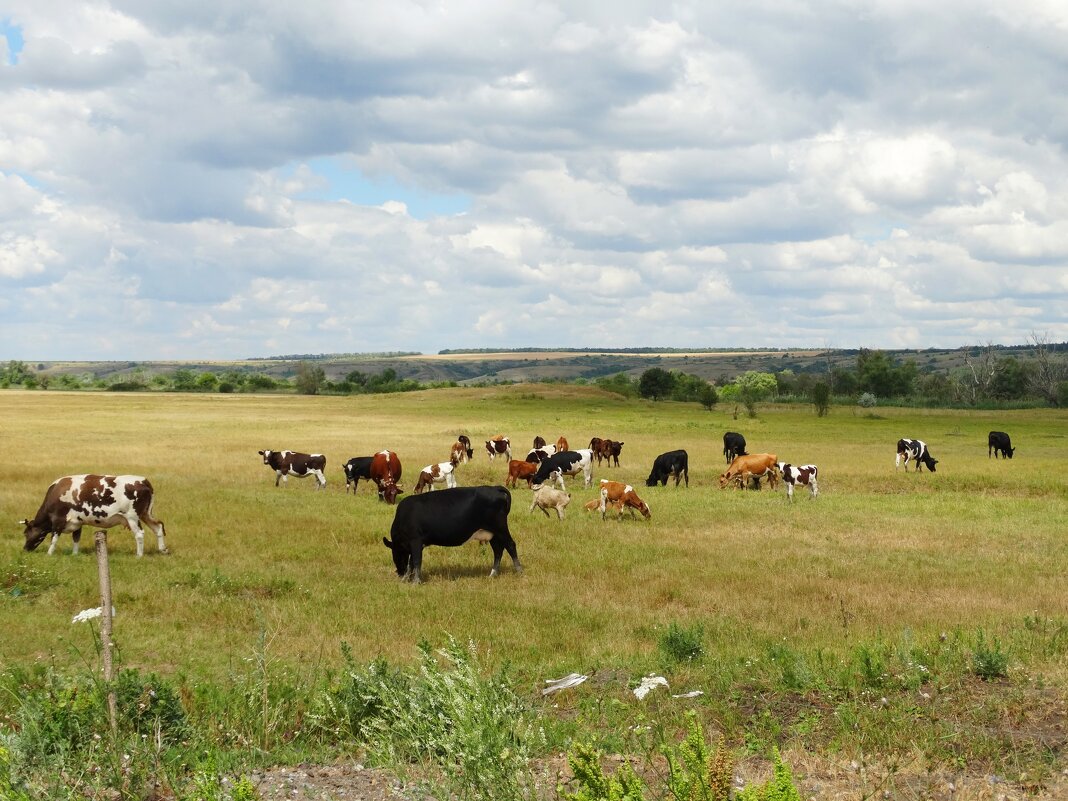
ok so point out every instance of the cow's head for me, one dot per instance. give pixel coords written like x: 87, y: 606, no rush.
x: 389, y: 493
x: 930, y: 462
x: 266, y: 456
x: 724, y: 480
x: 34, y: 534
x: 400, y: 557
x: 642, y: 507
x: 1010, y: 452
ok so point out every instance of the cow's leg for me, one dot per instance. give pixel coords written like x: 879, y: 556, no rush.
x: 76, y: 538
x: 604, y: 502
x: 320, y: 478
x: 157, y: 528
x: 415, y: 563
x: 813, y: 488
x: 559, y: 511
x: 55, y: 537
x: 139, y: 533
x: 500, y: 543
x: 789, y: 490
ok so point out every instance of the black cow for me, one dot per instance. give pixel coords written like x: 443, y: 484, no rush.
x: 568, y: 463
x: 733, y: 445
x: 356, y: 468
x: 672, y: 463
x: 915, y: 449
x: 999, y: 441
x: 449, y: 518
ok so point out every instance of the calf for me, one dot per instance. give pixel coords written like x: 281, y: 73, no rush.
x: 301, y: 465
x: 450, y: 518
x: 672, y: 463
x: 441, y: 473
x: 999, y: 441
x: 733, y: 446
x: 623, y: 496
x: 499, y: 446
x: 356, y: 468
x: 742, y: 468
x: 386, y: 472
x: 94, y: 500
x: 458, y: 453
x: 546, y: 498
x: 520, y: 470
x: 916, y: 450
x: 611, y: 449
x: 568, y: 463
x: 805, y: 475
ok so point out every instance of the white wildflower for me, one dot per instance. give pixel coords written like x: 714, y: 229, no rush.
x: 90, y: 614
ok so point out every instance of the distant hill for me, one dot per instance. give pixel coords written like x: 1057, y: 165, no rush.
x: 530, y: 364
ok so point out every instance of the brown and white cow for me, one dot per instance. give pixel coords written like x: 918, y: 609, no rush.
x: 299, y: 464
x: 622, y: 496
x: 94, y: 500
x: 499, y: 445
x: 458, y: 453
x: 520, y: 470
x: 386, y: 472
x: 441, y: 473
x: 805, y: 475
x: 465, y: 440
x: 742, y: 468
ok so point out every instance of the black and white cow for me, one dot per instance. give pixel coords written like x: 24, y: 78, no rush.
x: 916, y: 450
x: 539, y: 455
x: 94, y: 500
x: 300, y: 465
x: 999, y: 441
x: 356, y: 468
x: 566, y: 463
x: 672, y: 463
x: 805, y: 475
x: 733, y: 445
x: 450, y: 518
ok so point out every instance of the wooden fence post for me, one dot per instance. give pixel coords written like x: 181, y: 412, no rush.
x: 100, y: 541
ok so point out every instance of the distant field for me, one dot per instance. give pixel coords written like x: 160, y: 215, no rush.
x: 551, y: 355
x: 980, y: 543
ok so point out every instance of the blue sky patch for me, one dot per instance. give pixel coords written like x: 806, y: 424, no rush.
x: 13, y: 34
x: 344, y: 183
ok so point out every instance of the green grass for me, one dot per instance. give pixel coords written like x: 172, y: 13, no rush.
x: 785, y: 597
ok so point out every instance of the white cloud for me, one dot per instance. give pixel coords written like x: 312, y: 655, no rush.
x: 886, y: 175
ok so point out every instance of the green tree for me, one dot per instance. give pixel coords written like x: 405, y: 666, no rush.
x: 656, y: 383
x: 821, y: 398
x: 753, y: 387
x: 184, y: 380
x: 207, y: 382
x: 620, y: 383
x: 708, y: 397
x: 309, y: 378
x: 687, y: 387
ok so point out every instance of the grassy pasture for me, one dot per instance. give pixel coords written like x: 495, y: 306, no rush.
x: 980, y: 543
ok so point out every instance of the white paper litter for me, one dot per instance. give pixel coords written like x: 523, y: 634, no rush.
x: 570, y: 680
x: 648, y: 683
x: 690, y: 694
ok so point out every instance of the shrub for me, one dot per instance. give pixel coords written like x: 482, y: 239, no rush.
x: 681, y: 643
x: 780, y: 787
x: 989, y: 661
x: 867, y: 400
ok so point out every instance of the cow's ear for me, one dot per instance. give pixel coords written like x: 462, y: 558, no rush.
x: 387, y: 543
x: 261, y: 453
x: 24, y: 522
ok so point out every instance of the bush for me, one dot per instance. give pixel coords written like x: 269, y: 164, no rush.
x: 989, y: 661
x: 682, y: 644
x: 867, y: 400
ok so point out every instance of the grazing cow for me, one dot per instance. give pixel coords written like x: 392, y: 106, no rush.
x: 561, y: 444
x: 499, y: 445
x: 539, y: 442
x: 805, y: 475
x: 356, y: 468
x: 595, y: 505
x: 623, y: 496
x: 672, y: 463
x: 733, y: 445
x: 301, y: 465
x: 450, y: 518
x: 743, y: 468
x: 386, y: 472
x: 94, y: 500
x: 520, y: 470
x: 458, y: 453
x: 611, y: 449
x: 916, y: 450
x: 568, y: 463
x: 441, y: 473
x: 539, y: 455
x: 464, y: 440
x: 999, y: 441
x: 546, y: 498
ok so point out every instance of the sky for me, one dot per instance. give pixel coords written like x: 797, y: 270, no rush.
x: 183, y: 179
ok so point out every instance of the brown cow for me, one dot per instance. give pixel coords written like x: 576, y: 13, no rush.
x: 539, y: 442
x: 386, y: 472
x: 518, y: 470
x: 622, y: 496
x: 751, y: 465
x: 561, y: 444
x: 458, y: 453
x: 611, y: 449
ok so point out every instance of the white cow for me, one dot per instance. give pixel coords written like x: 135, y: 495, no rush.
x: 546, y: 498
x: 441, y: 473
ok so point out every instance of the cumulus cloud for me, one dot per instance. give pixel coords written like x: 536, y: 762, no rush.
x: 891, y: 174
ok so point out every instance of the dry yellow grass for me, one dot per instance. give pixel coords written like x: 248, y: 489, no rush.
x: 980, y: 543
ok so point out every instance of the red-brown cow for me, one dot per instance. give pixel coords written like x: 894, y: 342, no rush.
x: 622, y: 496
x: 520, y: 470
x: 561, y: 444
x: 745, y: 467
x: 386, y: 472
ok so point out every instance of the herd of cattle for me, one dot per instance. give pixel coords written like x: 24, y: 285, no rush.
x: 462, y: 513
